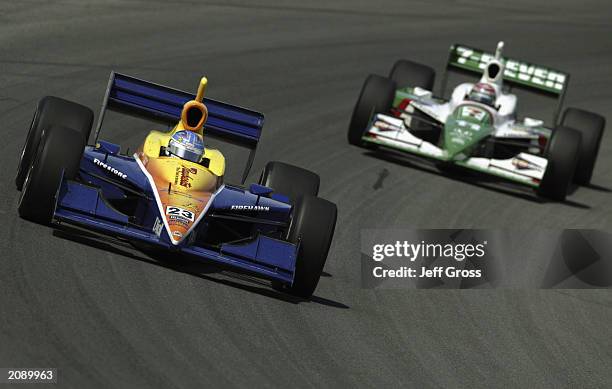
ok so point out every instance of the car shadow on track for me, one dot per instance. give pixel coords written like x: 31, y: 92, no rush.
x: 192, y: 267
x: 598, y: 188
x: 470, y: 178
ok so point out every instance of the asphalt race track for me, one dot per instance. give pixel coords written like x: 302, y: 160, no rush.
x: 108, y: 316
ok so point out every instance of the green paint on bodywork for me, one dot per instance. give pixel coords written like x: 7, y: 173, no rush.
x: 464, y: 128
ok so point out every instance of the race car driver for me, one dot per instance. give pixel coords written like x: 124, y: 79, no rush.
x: 186, y: 145
x: 482, y: 93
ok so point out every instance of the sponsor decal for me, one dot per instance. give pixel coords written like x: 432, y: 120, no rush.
x: 177, y: 213
x: 468, y: 125
x: 177, y: 221
x: 463, y: 133
x: 522, y: 164
x: 473, y: 112
x: 382, y: 126
x: 158, y: 226
x: 109, y: 168
x: 515, y: 70
x: 250, y: 208
x: 182, y: 176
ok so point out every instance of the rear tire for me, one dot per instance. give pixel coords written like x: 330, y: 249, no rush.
x: 562, y: 155
x: 376, y: 96
x: 411, y: 74
x: 591, y: 127
x: 289, y: 180
x: 52, y: 111
x: 60, y: 150
x: 313, y: 225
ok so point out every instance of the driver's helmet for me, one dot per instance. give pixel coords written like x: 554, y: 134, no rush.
x: 186, y: 145
x: 483, y: 93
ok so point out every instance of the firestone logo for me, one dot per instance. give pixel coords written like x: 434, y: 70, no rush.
x: 109, y: 168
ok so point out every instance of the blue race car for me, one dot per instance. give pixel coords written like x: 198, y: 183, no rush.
x: 170, y: 194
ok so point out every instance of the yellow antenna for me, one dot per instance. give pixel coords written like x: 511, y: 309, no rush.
x: 201, y: 89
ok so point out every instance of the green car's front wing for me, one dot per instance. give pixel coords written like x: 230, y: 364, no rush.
x: 505, y: 169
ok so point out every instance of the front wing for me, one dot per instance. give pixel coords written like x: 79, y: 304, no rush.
x: 391, y: 132
x: 84, y: 206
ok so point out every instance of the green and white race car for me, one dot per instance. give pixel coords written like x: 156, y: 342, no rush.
x: 477, y: 127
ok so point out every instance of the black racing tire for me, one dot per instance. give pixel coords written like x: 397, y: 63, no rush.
x: 59, y: 151
x: 562, y: 155
x: 289, y: 180
x: 411, y: 74
x: 376, y: 96
x: 312, y: 227
x: 591, y: 127
x: 52, y: 111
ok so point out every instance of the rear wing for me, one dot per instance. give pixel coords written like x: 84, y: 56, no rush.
x: 535, y: 78
x: 135, y: 97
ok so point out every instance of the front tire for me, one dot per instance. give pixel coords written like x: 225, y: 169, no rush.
x: 591, y: 127
x: 376, y: 96
x: 562, y: 155
x: 312, y: 227
x: 51, y: 111
x: 289, y: 180
x: 411, y: 74
x: 59, y: 151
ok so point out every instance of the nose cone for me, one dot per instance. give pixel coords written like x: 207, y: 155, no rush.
x: 183, y: 191
x: 182, y: 212
x: 467, y: 126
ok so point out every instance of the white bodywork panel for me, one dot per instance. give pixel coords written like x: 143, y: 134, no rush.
x: 504, y: 119
x: 391, y: 131
x: 504, y: 115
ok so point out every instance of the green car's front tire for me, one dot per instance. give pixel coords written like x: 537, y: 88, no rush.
x: 376, y: 96
x: 411, y: 74
x: 562, y: 155
x: 591, y: 127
